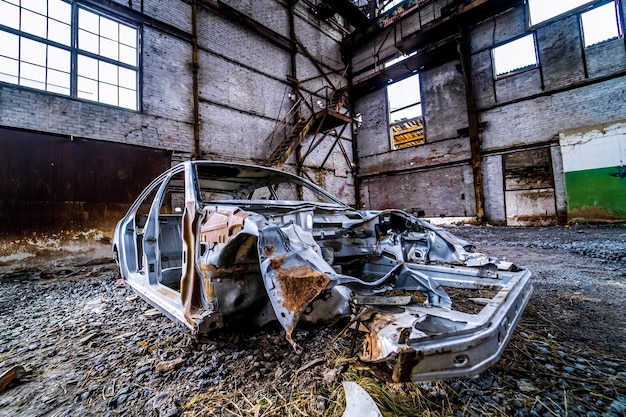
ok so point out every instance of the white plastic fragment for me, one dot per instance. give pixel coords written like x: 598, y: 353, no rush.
x: 358, y: 402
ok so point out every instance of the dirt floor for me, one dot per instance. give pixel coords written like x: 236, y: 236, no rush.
x: 87, y: 346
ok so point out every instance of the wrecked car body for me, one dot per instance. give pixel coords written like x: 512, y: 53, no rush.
x: 212, y: 244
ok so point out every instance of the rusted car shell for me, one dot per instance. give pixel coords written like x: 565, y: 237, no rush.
x: 211, y: 244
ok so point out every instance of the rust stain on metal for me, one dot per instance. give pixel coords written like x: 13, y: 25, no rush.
x: 277, y: 262
x: 268, y: 251
x: 371, y: 348
x: 300, y: 285
x: 407, y: 359
x: 219, y: 226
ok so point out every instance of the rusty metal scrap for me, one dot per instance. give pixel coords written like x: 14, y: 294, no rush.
x: 246, y: 255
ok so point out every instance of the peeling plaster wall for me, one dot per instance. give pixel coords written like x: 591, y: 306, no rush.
x: 594, y: 160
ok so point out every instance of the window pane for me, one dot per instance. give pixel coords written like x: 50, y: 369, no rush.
x: 58, y: 59
x: 88, y: 41
x: 128, y: 36
x: 59, y: 32
x: 128, y: 78
x: 87, y: 89
x: 88, y: 21
x: 407, y: 113
x: 515, y: 55
x: 8, y: 70
x: 33, y: 52
x: 40, y: 55
x: 9, y: 45
x: 39, y: 6
x: 109, y: 28
x: 600, y: 24
x: 404, y: 92
x: 87, y: 67
x: 128, y: 55
x: 542, y: 10
x: 107, y: 73
x: 58, y: 90
x: 128, y: 99
x: 58, y: 81
x: 32, y: 76
x: 108, y: 48
x: 9, y: 15
x: 34, y: 23
x: 108, y: 94
x: 405, y: 105
x: 59, y: 10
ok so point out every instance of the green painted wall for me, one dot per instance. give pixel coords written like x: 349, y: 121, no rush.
x: 595, y: 194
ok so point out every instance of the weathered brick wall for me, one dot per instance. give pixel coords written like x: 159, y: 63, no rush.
x: 444, y: 108
x: 165, y: 121
x: 243, y: 87
x: 534, y: 105
x: 572, y: 87
x: 439, y: 192
x: 493, y: 186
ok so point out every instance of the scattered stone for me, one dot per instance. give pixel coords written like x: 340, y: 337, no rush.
x: 526, y: 386
x: 167, y: 366
x: 152, y: 312
x: 618, y: 407
x: 83, y: 341
x: 581, y: 361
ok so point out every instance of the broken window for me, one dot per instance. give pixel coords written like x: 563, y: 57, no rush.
x: 406, y: 121
x: 59, y: 47
x: 519, y: 54
x: 601, y: 24
x: 389, y: 4
x: 542, y: 10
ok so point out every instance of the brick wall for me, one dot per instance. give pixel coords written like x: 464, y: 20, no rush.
x: 243, y: 86
x: 572, y: 87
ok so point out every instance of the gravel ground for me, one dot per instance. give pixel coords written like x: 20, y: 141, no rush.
x: 89, y: 347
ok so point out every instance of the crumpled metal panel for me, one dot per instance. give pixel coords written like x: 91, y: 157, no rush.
x: 293, y: 272
x: 196, y: 294
x: 259, y: 260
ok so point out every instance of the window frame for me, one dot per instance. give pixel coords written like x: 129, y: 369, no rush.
x: 519, y: 70
x: 618, y: 23
x: 75, y: 51
x: 416, y: 131
x: 574, y: 10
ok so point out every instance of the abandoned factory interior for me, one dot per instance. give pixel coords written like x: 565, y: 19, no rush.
x: 312, y: 208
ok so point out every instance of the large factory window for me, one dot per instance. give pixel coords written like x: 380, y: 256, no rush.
x: 601, y: 24
x: 519, y: 54
x: 63, y: 48
x: 542, y: 10
x: 406, y: 122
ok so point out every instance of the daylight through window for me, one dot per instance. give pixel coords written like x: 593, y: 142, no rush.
x: 515, y: 55
x: 600, y: 24
x: 542, y: 10
x: 39, y: 41
x: 406, y: 121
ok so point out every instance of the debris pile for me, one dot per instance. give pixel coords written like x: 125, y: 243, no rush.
x: 74, y: 340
